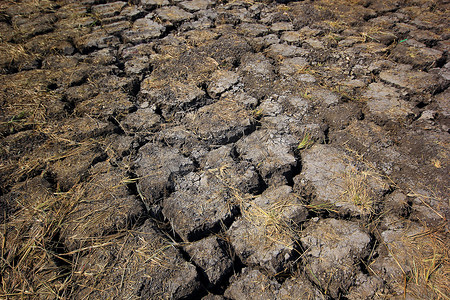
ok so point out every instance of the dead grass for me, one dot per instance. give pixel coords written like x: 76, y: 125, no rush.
x: 33, y: 265
x: 27, y: 102
x: 15, y: 54
x: 30, y: 265
x: 358, y: 192
x: 424, y: 263
x: 111, y: 266
x: 34, y: 262
x: 276, y: 227
x: 422, y: 258
x: 430, y: 262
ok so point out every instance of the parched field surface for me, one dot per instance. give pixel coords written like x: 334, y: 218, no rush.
x: 209, y: 149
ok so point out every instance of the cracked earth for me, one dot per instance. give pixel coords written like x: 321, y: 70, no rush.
x: 202, y: 149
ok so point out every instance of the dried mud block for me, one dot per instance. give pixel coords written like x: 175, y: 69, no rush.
x: 137, y: 66
x: 105, y: 56
x: 221, y: 80
x: 333, y: 250
x: 105, y: 206
x: 24, y: 195
x: 120, y: 146
x: 424, y: 173
x: 143, y: 30
x: 366, y: 287
x: 349, y: 41
x: 218, y: 157
x: 135, y: 52
x: 95, y: 40
x: 418, y: 57
x: 299, y: 287
x: 75, y: 165
x: 79, y: 129
x: 277, y: 51
x: 227, y: 50
x: 257, y: 65
x: 240, y: 176
x: 372, y: 141
x: 404, y: 247
x: 50, y: 43
x: 315, y: 43
x: 252, y: 284
x: 384, y: 7
x: 397, y: 204
x: 266, y: 234
x: 152, y: 4
x: 141, y: 121
x: 132, y: 12
x: 173, y: 14
x: 157, y: 167
x: 444, y: 72
x: 26, y: 99
x: 416, y: 81
x: 287, y: 114
x: 181, y: 137
x: 17, y: 146
x: 24, y: 155
x: 220, y: 123
x: 16, y: 58
x: 372, y: 48
x: 260, y: 43
x: 199, y: 37
x: 196, y: 5
x: 338, y: 181
x: 78, y: 74
x: 242, y: 98
x: 105, y: 105
x: 252, y: 30
x: 76, y: 23
x: 110, y: 83
x: 281, y: 26
x: 171, y: 97
x: 209, y: 254
x: 7, y: 32
x: 56, y: 62
x: 385, y: 37
x: 291, y: 37
x: 271, y: 107
x: 325, y: 97
x: 32, y: 25
x: 108, y: 10
x: 271, y: 154
x: 429, y: 206
x: 257, y: 75
x: 191, y: 67
x: 138, y: 264
x: 385, y: 102
x: 200, y: 205
x: 427, y: 37
x: 80, y: 93
x: 290, y: 66
x: 340, y: 116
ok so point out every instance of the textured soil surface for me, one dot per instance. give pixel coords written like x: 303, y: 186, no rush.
x: 208, y: 149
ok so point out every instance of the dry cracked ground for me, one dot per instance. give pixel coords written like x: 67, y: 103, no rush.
x: 209, y: 149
